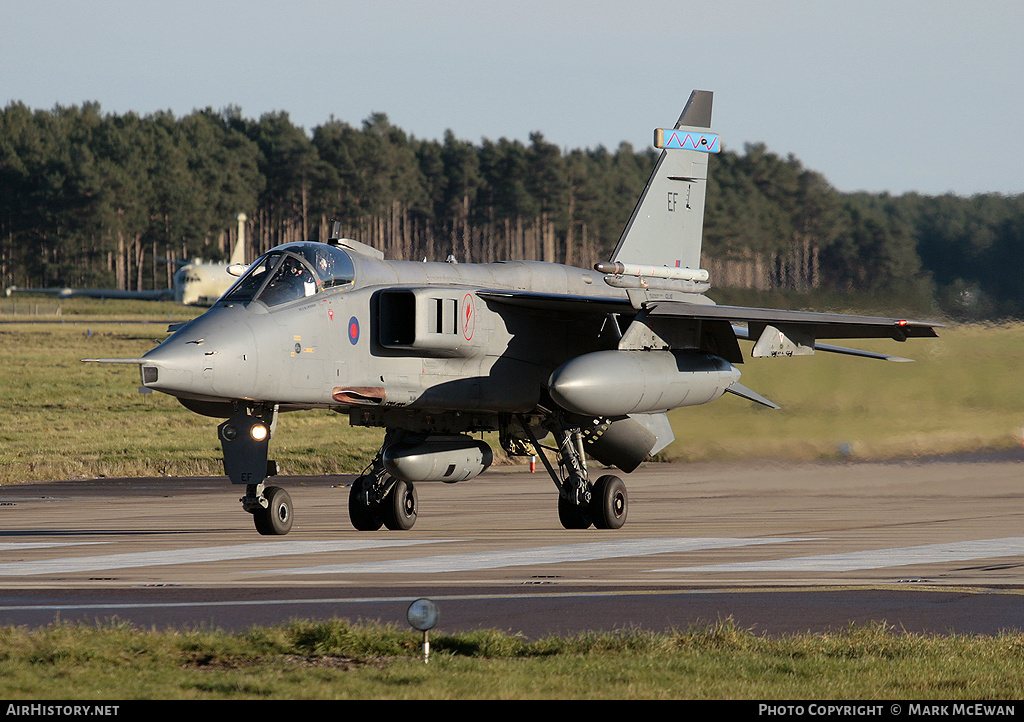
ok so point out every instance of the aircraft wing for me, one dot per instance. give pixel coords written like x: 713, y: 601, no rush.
x: 796, y: 333
x: 775, y: 332
x: 821, y: 325
x: 818, y: 325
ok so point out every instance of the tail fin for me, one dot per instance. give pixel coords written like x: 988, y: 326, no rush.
x: 238, y: 252
x: 668, y: 223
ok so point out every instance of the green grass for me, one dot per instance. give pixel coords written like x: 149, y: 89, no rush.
x: 341, y: 660
x: 961, y: 394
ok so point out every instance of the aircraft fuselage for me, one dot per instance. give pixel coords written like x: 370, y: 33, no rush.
x: 400, y: 335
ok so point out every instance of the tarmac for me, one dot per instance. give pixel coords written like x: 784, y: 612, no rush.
x: 924, y: 545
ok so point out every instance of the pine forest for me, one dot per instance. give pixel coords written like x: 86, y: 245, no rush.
x: 89, y: 199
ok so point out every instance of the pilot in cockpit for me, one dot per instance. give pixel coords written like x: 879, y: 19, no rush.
x: 292, y: 281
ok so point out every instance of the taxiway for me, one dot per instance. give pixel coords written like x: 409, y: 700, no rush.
x: 930, y: 546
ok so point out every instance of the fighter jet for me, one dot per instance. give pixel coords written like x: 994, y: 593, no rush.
x: 435, y: 352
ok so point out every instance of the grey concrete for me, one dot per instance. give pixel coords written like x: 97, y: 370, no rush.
x: 930, y: 546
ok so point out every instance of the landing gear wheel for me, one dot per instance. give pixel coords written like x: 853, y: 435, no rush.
x: 400, y: 506
x: 572, y: 516
x: 363, y: 515
x: 609, y: 503
x: 276, y: 518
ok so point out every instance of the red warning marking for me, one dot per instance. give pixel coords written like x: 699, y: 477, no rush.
x: 468, y: 317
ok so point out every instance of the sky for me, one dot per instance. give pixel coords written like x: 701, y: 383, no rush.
x: 882, y: 96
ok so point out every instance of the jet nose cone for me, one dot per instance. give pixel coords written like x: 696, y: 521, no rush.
x: 170, y: 367
x: 213, y: 356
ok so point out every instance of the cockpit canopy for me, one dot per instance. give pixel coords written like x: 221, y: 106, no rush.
x: 293, y: 271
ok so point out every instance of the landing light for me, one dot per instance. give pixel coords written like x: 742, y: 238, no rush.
x: 259, y: 432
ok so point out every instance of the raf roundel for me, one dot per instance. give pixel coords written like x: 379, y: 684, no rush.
x: 353, y: 330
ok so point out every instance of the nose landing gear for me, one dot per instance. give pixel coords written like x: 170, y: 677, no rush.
x: 271, y: 509
x: 245, y: 441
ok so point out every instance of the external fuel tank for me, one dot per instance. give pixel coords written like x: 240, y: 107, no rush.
x: 616, y: 383
x: 437, y: 458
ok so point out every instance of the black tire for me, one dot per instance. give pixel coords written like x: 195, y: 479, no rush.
x: 400, y: 506
x: 572, y: 516
x: 364, y: 517
x: 276, y: 519
x: 609, y: 503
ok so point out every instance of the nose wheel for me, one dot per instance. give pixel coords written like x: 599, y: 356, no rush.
x: 272, y: 512
x: 245, y: 441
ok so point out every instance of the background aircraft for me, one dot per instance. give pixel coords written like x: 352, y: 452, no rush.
x: 434, y: 352
x: 195, y: 283
x: 201, y: 283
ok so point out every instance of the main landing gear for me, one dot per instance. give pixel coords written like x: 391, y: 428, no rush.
x: 603, y: 504
x: 376, y: 498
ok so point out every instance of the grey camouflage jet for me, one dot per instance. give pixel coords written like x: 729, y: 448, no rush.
x: 435, y: 352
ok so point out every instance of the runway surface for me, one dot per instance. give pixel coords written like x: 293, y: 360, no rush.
x: 929, y: 546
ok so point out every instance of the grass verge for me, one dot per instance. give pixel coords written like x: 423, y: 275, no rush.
x: 341, y: 660
x: 961, y: 394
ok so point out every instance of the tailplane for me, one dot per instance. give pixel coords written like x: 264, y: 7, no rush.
x: 668, y: 223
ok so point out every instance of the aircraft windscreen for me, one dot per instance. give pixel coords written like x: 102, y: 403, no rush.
x: 249, y: 285
x: 291, y: 281
x: 286, y: 274
x: 332, y: 265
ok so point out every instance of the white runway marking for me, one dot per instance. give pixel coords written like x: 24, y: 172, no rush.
x: 523, y: 557
x: 875, y: 558
x: 569, y: 553
x: 70, y: 565
x: 19, y: 546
